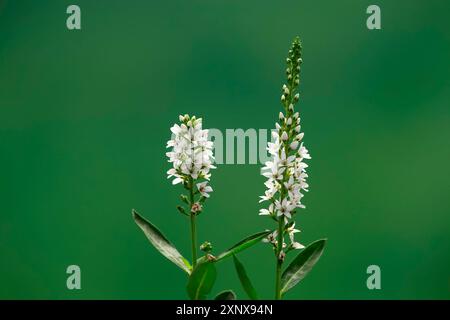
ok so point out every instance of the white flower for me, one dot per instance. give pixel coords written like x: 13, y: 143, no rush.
x: 268, y: 195
x: 271, y: 238
x: 299, y: 167
x: 284, y: 208
x: 303, y: 152
x: 291, y: 231
x: 171, y: 173
x: 273, y: 170
x: 191, y: 152
x: 284, y: 136
x: 265, y: 212
x: 196, y: 207
x: 272, y: 188
x: 285, y: 161
x: 177, y: 180
x: 297, y: 245
x: 273, y: 148
x: 204, y: 189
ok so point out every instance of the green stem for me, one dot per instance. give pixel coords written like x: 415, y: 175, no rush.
x: 193, y: 228
x: 279, y: 259
x: 278, y: 280
x: 194, y: 241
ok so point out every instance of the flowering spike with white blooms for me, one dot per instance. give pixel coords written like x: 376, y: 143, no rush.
x: 192, y: 157
x: 191, y: 153
x: 286, y: 170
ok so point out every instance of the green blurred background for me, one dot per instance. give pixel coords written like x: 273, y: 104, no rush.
x: 85, y: 115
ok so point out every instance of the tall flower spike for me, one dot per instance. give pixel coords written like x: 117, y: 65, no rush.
x: 286, y: 170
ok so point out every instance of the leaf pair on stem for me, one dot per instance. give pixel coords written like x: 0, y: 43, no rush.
x: 203, y: 276
x: 292, y: 275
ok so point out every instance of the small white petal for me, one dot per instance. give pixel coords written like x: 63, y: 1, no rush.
x: 177, y: 180
x: 297, y: 245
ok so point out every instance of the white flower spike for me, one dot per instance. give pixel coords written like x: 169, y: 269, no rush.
x: 192, y: 159
x: 191, y: 154
x: 286, y: 170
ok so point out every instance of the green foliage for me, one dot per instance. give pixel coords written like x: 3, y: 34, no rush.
x: 202, y: 280
x: 301, y: 265
x: 245, y: 281
x: 243, y: 244
x: 160, y: 242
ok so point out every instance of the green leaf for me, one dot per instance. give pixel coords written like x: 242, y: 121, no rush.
x: 301, y: 265
x: 160, y: 242
x: 226, y: 295
x: 245, y: 281
x: 201, y: 280
x: 243, y: 244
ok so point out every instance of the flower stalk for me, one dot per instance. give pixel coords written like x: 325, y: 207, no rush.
x: 192, y: 159
x: 285, y: 173
x: 193, y: 241
x: 193, y: 227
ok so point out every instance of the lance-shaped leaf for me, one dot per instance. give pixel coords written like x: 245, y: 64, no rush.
x: 226, y: 295
x: 243, y: 244
x: 301, y: 265
x: 245, y: 281
x: 160, y: 242
x: 201, y: 280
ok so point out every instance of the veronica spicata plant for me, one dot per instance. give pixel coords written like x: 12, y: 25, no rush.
x: 191, y: 156
x: 285, y: 186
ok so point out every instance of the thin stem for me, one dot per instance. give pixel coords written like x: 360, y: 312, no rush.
x: 278, y: 280
x: 193, y: 228
x: 279, y: 259
x: 193, y: 240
